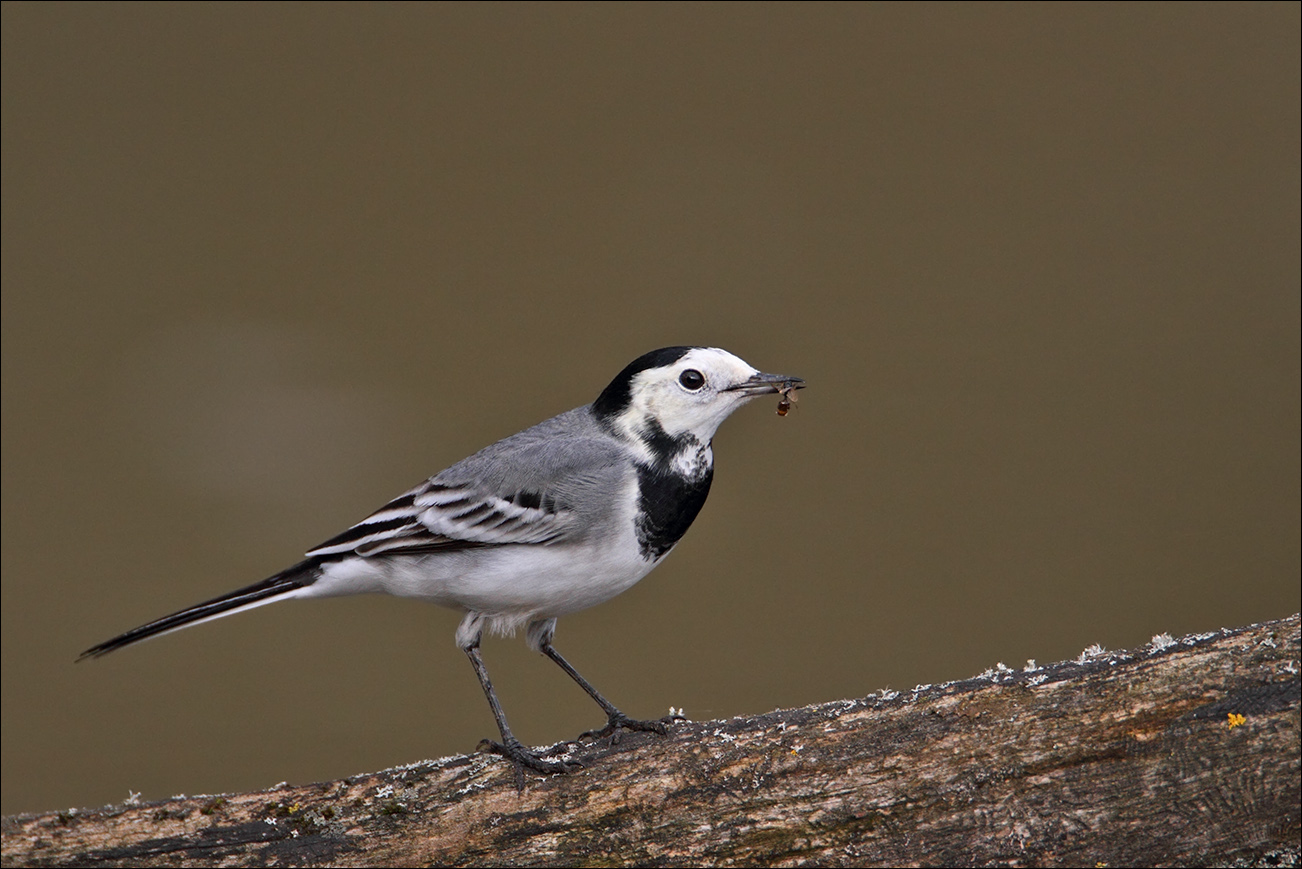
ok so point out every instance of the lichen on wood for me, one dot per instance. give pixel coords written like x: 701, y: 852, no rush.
x: 1185, y: 752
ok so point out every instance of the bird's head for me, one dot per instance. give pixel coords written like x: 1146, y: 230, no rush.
x: 683, y: 394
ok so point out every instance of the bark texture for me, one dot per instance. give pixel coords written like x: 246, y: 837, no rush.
x: 1183, y: 753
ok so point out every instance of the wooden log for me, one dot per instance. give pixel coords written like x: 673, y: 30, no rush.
x: 1182, y: 753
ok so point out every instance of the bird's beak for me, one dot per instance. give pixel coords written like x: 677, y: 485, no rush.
x: 760, y: 384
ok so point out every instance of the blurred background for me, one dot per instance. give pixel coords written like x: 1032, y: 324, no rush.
x: 267, y: 266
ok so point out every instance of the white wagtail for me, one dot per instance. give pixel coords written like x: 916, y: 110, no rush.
x: 547, y: 522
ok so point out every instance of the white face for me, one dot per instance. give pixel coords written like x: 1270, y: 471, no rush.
x: 690, y: 396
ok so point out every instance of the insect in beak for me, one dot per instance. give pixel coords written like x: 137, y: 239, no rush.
x: 788, y: 397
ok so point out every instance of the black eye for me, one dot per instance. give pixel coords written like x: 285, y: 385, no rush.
x: 692, y: 379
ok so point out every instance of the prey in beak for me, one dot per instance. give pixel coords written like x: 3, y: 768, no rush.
x: 782, y: 384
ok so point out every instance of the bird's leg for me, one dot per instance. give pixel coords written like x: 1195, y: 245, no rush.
x: 510, y: 747
x: 616, y: 721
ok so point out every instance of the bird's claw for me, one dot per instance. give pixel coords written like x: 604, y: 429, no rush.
x: 522, y: 758
x: 619, y: 722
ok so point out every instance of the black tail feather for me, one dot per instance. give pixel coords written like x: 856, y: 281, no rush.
x: 300, y: 575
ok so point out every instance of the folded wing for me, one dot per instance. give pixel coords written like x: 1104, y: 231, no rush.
x: 437, y: 516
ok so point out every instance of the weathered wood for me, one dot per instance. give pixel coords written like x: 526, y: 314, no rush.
x: 1133, y: 758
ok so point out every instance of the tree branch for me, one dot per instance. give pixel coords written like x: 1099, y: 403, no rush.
x: 1184, y: 752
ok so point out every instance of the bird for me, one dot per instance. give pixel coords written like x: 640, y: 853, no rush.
x: 544, y: 523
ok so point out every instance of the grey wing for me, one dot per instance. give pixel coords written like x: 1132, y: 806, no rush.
x: 437, y: 517
x: 509, y: 493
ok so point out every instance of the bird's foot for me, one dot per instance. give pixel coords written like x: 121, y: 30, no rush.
x: 619, y: 722
x: 522, y: 758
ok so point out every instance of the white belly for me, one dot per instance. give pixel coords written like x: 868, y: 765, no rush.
x: 520, y: 581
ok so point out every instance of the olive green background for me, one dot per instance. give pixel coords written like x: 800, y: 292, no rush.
x: 267, y: 266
